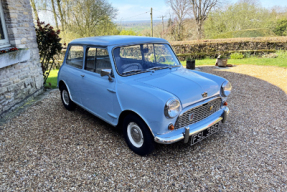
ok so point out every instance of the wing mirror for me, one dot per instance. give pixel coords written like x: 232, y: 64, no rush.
x: 107, y: 72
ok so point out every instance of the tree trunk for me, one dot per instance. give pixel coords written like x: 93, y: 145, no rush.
x: 34, y: 9
x: 62, y: 19
x: 55, y: 15
x: 178, y: 33
x: 199, y: 30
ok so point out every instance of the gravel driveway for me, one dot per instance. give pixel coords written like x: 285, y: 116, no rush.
x: 49, y: 148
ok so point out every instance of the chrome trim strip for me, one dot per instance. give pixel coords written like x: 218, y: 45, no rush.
x: 164, y: 139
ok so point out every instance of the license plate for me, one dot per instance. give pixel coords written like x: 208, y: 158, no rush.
x: 204, y: 134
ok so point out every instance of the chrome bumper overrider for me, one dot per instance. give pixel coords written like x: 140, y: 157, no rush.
x: 186, y: 132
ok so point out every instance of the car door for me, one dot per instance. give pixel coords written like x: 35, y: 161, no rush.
x: 97, y: 92
x: 73, y: 70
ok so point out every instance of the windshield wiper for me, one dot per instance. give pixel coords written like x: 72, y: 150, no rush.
x: 156, y: 68
x: 131, y: 71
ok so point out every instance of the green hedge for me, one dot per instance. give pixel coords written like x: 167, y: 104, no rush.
x: 201, y: 55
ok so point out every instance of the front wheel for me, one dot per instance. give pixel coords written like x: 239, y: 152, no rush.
x: 137, y: 135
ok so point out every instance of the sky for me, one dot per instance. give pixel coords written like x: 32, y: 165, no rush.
x: 131, y: 10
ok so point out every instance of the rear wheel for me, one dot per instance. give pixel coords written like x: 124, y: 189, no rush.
x: 66, y: 100
x: 137, y: 135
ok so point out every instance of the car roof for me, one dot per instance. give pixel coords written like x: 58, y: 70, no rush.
x: 117, y: 40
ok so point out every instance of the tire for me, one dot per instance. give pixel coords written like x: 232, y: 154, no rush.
x: 137, y: 135
x: 66, y: 100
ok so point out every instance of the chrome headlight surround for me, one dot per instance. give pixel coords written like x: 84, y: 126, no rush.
x: 172, y: 108
x: 226, y: 88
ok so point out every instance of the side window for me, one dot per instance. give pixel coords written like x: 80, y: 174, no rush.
x: 75, y: 56
x: 97, y: 59
x: 131, y: 52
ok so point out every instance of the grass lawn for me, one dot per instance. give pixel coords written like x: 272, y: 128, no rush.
x: 52, y: 79
x: 279, y: 61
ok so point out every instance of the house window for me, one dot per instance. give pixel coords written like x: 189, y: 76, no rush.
x: 4, y: 42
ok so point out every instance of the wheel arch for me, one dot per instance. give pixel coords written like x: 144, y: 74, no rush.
x: 63, y: 83
x: 127, y: 112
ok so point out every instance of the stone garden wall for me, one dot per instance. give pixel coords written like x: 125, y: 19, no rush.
x: 20, y: 73
x: 213, y: 48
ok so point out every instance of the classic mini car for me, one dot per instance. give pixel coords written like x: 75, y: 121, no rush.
x: 138, y: 84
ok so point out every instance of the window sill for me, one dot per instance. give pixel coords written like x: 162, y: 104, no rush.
x: 11, y: 58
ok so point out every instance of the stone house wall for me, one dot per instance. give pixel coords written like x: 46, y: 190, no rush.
x: 21, y: 80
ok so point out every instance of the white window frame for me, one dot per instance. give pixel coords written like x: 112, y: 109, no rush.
x: 3, y: 42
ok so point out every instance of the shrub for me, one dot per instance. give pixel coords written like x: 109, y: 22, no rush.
x: 261, y: 32
x: 281, y: 27
x: 282, y: 54
x: 236, y: 56
x: 222, y: 56
x: 188, y: 59
x: 247, y: 54
x: 127, y: 32
x: 270, y: 55
x: 49, y: 45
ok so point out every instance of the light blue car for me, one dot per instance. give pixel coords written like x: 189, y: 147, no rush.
x: 139, y: 85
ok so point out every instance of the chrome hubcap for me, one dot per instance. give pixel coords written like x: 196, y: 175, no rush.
x: 65, y: 96
x: 135, y: 134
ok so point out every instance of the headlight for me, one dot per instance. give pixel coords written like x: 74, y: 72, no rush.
x: 172, y: 108
x: 226, y: 88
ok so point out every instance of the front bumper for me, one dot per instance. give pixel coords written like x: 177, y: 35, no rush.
x: 186, y: 132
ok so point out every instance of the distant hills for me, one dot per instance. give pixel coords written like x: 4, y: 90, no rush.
x: 137, y: 25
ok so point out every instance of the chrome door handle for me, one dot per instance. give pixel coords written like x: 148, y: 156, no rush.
x: 83, y: 75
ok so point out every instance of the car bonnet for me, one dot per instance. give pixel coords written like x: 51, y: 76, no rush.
x: 185, y: 84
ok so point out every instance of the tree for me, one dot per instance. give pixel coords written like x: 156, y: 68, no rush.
x: 34, y: 9
x: 201, y: 9
x: 281, y: 27
x: 55, y: 14
x: 89, y: 17
x: 61, y: 16
x: 238, y: 17
x: 180, y: 8
x: 81, y: 18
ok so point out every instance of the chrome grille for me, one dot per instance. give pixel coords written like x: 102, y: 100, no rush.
x: 199, y: 113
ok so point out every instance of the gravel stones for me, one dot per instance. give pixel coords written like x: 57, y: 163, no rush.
x: 49, y: 148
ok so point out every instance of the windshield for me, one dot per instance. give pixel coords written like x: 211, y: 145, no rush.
x: 144, y: 57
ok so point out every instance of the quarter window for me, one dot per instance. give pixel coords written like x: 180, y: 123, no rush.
x: 75, y: 56
x: 97, y: 59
